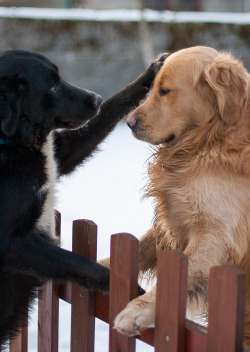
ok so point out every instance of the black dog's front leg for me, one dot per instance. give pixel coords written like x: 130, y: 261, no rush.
x: 72, y: 147
x: 35, y: 255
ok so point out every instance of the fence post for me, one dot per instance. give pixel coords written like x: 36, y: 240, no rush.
x: 20, y: 342
x: 226, y: 305
x: 171, y: 296
x: 48, y: 310
x: 123, y: 286
x: 83, y: 300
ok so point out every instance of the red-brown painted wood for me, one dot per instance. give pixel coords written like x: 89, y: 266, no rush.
x: 123, y: 286
x: 55, y: 318
x: 82, y: 300
x: 45, y: 318
x: 48, y: 310
x: 102, y: 306
x: 55, y: 297
x: 171, y: 299
x: 196, y: 337
x: 65, y: 291
x: 147, y: 336
x: 226, y: 303
x: 227, y: 287
x: 20, y: 342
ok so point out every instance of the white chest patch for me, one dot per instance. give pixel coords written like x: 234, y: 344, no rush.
x: 47, y: 219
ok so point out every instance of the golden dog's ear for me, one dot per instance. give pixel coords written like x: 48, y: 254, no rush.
x: 229, y: 81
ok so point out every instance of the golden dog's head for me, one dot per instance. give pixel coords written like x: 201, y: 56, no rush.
x: 194, y: 86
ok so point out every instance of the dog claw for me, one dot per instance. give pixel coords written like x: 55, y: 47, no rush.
x: 159, y: 61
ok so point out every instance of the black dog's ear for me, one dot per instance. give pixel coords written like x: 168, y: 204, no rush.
x: 12, y: 91
x: 9, y: 118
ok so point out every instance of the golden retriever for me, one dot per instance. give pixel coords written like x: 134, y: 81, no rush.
x: 198, y: 116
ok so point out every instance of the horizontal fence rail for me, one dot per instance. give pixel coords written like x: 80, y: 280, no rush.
x: 172, y: 333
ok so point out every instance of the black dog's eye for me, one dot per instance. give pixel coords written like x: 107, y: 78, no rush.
x: 54, y: 88
x: 164, y: 91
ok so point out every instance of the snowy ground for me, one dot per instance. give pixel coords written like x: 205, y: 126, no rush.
x: 107, y: 190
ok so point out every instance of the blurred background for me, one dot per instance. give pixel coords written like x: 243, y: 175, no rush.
x: 173, y: 5
x: 103, y: 45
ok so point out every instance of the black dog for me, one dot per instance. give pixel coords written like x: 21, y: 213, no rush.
x: 34, y: 103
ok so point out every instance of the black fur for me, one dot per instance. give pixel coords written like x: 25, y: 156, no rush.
x: 34, y: 103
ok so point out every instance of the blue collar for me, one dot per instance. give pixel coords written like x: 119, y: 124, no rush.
x: 3, y: 141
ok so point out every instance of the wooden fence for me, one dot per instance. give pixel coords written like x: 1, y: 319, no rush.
x: 173, y: 332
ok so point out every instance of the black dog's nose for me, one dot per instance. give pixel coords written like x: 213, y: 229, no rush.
x: 99, y: 100
x: 93, y: 100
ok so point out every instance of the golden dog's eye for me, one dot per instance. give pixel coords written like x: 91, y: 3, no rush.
x: 164, y: 91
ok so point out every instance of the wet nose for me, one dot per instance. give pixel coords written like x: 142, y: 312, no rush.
x: 131, y: 121
x: 93, y: 100
x: 99, y: 100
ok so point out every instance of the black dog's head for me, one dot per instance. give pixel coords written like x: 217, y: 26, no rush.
x: 34, y: 100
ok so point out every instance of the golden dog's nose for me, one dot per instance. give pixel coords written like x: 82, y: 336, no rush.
x: 131, y: 120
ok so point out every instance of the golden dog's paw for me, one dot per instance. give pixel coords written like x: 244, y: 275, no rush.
x: 137, y: 316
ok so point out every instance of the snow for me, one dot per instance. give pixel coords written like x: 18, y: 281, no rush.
x: 108, y: 191
x: 124, y: 15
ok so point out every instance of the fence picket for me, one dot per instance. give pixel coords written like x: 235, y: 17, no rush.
x: 226, y: 309
x: 20, y: 342
x: 55, y: 298
x: 173, y: 332
x: 171, y: 298
x: 45, y: 318
x: 48, y: 310
x: 82, y: 300
x: 123, y: 286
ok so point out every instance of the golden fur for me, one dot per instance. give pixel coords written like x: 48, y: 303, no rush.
x: 198, y: 115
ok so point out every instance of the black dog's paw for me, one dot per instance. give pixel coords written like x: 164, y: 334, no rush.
x: 149, y: 75
x: 159, y: 61
x: 142, y: 85
x: 98, y: 278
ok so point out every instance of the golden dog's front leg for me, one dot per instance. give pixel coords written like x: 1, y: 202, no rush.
x: 138, y: 315
x: 105, y: 262
x: 203, y: 251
